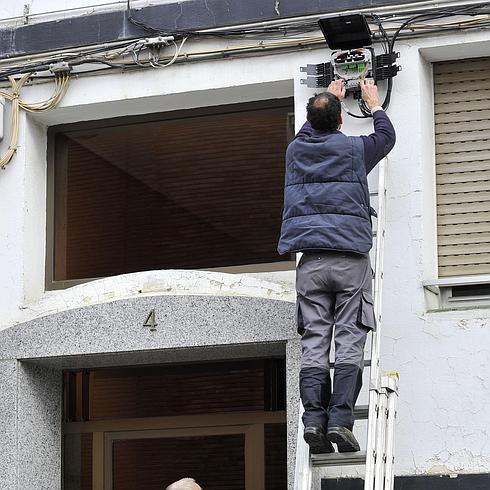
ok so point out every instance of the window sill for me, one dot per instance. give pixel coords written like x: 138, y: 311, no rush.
x: 439, y: 293
x: 267, y: 270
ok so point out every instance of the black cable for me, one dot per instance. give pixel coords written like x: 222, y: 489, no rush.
x: 425, y: 16
x: 156, y: 30
x: 285, y: 29
x: 364, y: 108
x: 436, y: 15
x: 45, y: 66
x: 386, y: 42
x: 75, y: 73
x: 357, y: 116
x: 308, y: 26
x: 97, y: 60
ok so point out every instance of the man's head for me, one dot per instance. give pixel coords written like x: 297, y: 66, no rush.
x: 324, y: 112
x: 184, y: 484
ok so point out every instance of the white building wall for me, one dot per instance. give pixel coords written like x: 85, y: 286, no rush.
x: 443, y: 357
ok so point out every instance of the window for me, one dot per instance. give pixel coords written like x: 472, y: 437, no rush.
x: 462, y: 127
x: 224, y: 423
x: 196, y: 189
x: 462, y: 117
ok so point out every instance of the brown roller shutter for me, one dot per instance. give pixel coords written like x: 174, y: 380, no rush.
x: 210, y: 388
x: 216, y: 462
x: 462, y: 127
x: 195, y: 189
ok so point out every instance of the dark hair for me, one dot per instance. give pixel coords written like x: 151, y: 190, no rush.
x: 323, y: 112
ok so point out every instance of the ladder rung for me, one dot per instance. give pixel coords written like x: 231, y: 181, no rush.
x: 367, y: 363
x: 339, y: 459
x: 361, y: 412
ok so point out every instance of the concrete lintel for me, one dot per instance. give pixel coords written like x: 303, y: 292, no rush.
x: 190, y: 15
x: 165, y: 356
x: 181, y: 321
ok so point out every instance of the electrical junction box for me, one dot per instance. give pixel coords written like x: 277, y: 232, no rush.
x: 352, y: 65
x: 352, y: 59
x: 346, y: 31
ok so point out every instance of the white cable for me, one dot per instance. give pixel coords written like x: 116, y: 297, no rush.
x: 61, y: 84
x: 177, y: 52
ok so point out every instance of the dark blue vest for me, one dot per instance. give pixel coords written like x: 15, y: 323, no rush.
x: 326, y: 195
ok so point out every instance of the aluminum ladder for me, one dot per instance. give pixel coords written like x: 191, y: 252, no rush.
x: 378, y: 457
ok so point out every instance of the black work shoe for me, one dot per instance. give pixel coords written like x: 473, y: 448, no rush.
x: 344, y: 438
x: 317, y: 440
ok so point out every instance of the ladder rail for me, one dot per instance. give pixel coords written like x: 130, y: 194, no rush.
x: 382, y: 397
x: 389, y: 476
x: 378, y: 274
x: 379, y: 469
x: 303, y: 466
x: 374, y: 375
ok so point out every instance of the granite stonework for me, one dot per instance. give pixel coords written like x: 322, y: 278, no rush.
x: 166, y: 356
x: 189, y: 329
x: 293, y: 364
x: 182, y: 321
x: 39, y: 427
x: 8, y: 424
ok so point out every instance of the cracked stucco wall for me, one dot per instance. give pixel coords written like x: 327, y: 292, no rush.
x: 154, y: 283
x: 442, y: 357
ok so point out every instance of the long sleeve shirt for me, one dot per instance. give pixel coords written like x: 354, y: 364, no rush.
x: 376, y: 145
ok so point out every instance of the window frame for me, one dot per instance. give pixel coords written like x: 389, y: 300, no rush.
x: 439, y: 291
x: 53, y: 153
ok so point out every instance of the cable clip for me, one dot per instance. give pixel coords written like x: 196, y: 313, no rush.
x: 158, y: 41
x: 61, y: 67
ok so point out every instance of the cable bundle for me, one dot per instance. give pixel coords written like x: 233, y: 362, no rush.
x: 61, y: 84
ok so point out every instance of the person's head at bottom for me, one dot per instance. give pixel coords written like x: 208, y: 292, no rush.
x: 184, y: 484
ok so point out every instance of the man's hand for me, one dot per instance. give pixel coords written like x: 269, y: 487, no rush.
x: 369, y: 93
x: 337, y: 88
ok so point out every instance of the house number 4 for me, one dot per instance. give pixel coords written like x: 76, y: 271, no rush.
x: 151, y: 321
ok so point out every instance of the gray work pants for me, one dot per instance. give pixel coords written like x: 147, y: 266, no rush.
x: 334, y: 301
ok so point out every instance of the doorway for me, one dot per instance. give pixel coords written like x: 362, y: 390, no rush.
x: 145, y: 427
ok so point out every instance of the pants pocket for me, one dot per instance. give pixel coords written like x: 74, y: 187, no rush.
x: 299, y: 318
x: 366, y: 311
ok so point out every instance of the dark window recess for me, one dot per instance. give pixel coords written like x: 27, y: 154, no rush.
x: 275, y: 456
x: 175, y: 390
x: 274, y: 385
x: 433, y: 482
x: 77, y: 462
x: 191, y: 190
x: 471, y: 290
x: 152, y: 464
x: 76, y: 405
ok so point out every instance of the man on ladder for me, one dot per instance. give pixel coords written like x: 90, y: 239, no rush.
x: 327, y: 216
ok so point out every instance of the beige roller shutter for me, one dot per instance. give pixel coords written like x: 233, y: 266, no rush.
x: 462, y: 126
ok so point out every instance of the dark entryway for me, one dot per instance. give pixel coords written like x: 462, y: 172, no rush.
x: 144, y: 427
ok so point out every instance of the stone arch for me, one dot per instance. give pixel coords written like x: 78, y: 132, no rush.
x: 238, y: 317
